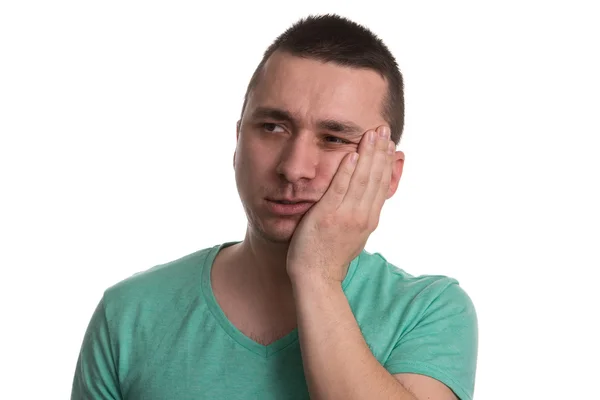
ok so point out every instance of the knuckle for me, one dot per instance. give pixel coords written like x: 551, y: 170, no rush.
x: 347, y: 226
x: 377, y: 179
x: 363, y: 181
x: 385, y: 182
x: 339, y: 189
x: 362, y: 223
x: 373, y: 224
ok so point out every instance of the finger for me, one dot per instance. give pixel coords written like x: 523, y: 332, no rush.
x: 338, y: 187
x: 380, y: 170
x: 386, y: 179
x: 362, y: 174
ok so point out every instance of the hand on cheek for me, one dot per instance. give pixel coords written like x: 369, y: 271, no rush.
x: 336, y: 229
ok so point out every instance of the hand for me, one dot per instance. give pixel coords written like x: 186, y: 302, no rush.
x: 335, y: 230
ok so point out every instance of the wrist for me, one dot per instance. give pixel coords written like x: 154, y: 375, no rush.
x: 314, y: 283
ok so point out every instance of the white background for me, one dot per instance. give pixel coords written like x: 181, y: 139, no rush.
x: 117, y: 124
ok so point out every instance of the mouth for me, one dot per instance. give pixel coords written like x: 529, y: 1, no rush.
x: 289, y: 207
x: 288, y: 201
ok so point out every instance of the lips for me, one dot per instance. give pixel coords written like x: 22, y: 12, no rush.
x: 289, y: 201
x: 288, y: 207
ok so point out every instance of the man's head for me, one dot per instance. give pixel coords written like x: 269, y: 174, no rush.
x: 320, y: 86
x: 334, y: 39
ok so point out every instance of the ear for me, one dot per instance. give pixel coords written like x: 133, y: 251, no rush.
x: 397, y: 169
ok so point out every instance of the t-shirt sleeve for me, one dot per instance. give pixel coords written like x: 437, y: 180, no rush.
x: 96, y: 371
x: 443, y: 342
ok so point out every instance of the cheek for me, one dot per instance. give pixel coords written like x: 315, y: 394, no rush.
x: 252, y: 159
x: 330, y: 162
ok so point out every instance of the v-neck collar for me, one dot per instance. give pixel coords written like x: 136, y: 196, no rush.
x: 289, y: 340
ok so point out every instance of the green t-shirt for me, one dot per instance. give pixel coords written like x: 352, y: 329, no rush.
x: 160, y: 334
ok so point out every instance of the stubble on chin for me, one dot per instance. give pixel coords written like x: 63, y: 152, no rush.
x: 275, y: 234
x: 272, y: 230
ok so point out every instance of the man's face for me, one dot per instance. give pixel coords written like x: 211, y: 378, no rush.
x: 300, y: 121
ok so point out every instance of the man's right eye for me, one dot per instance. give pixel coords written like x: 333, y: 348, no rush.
x: 270, y: 127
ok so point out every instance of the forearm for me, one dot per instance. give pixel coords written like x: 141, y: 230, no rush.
x: 338, y: 364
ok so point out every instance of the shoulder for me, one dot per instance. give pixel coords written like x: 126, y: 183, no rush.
x: 414, y: 294
x: 374, y: 267
x: 160, y: 282
x: 418, y: 324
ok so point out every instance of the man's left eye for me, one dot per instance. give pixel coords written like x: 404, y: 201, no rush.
x: 337, y: 140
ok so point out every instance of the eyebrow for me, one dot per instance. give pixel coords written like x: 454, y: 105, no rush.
x: 346, y: 128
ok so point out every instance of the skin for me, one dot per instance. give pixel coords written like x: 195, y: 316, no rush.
x: 298, y: 159
x: 294, y: 265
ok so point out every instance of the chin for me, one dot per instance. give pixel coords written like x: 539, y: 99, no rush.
x: 269, y: 227
x: 275, y: 231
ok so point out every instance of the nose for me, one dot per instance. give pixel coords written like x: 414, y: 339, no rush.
x: 299, y: 159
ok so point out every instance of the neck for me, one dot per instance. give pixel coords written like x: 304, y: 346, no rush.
x: 264, y: 264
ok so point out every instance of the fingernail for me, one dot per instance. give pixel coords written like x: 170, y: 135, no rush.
x: 383, y: 132
x: 354, y: 158
x: 391, y: 147
x: 371, y: 137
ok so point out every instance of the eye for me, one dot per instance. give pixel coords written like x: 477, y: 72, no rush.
x: 336, y: 140
x: 270, y: 127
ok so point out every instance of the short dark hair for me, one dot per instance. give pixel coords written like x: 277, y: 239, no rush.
x: 332, y: 38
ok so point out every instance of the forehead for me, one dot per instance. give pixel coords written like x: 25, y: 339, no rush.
x: 312, y: 90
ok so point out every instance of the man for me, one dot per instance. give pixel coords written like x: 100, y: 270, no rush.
x: 298, y: 308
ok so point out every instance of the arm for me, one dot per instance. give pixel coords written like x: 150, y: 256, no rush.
x: 337, y: 361
x: 338, y: 364
x: 96, y: 375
